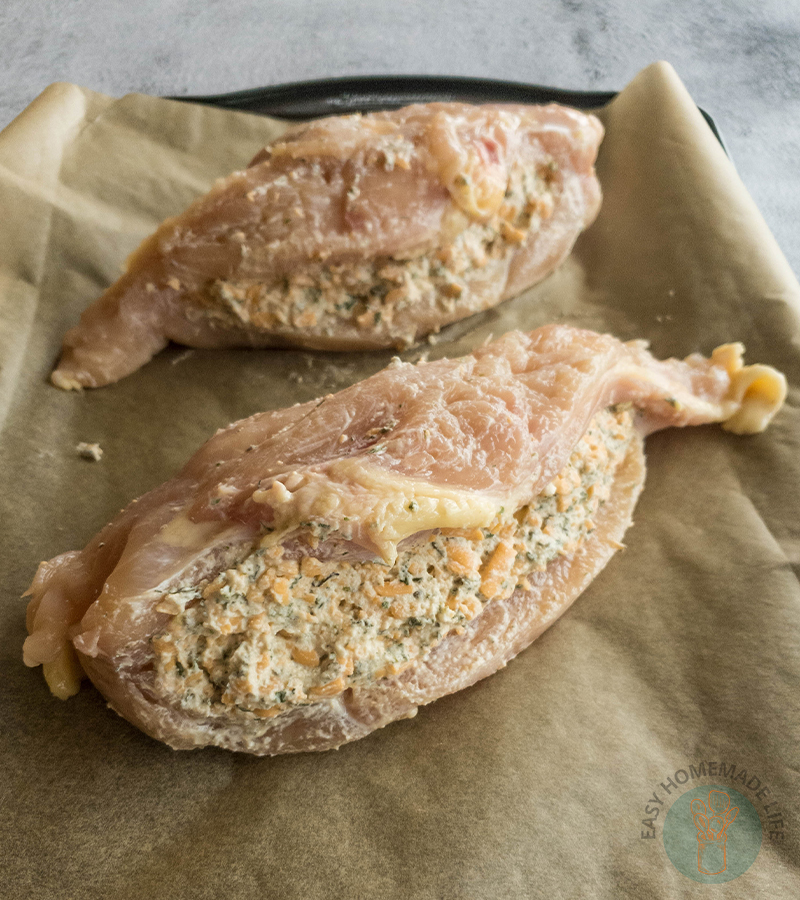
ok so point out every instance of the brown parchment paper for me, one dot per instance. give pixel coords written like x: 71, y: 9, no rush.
x: 533, y: 783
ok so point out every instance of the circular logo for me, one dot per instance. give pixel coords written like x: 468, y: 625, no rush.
x: 712, y: 834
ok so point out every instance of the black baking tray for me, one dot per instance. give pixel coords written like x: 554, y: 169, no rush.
x: 301, y: 100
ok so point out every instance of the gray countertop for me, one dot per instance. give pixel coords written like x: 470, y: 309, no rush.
x: 739, y: 60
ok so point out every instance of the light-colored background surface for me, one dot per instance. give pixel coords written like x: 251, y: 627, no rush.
x: 740, y: 60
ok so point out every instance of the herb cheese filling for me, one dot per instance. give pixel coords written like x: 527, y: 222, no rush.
x: 369, y: 294
x: 273, y: 632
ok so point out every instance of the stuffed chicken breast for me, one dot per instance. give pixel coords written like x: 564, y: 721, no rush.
x: 315, y: 573
x: 352, y: 233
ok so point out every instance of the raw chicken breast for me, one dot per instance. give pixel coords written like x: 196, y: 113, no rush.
x: 353, y: 233
x: 315, y: 573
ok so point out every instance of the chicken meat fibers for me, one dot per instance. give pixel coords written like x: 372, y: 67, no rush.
x: 353, y: 233
x: 317, y: 572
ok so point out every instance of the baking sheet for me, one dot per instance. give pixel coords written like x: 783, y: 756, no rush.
x: 535, y: 781
x: 365, y: 93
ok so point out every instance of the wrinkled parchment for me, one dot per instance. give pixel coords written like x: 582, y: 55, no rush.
x: 535, y: 781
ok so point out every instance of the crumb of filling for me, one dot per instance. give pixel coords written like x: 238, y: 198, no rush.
x: 274, y: 632
x: 368, y: 296
x: 93, y: 452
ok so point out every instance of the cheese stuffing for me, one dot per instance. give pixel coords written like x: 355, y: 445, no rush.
x: 369, y: 294
x: 274, y: 631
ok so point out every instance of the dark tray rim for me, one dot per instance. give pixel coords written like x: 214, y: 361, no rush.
x: 314, y: 99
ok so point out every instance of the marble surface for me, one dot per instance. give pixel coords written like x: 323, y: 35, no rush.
x: 739, y: 60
